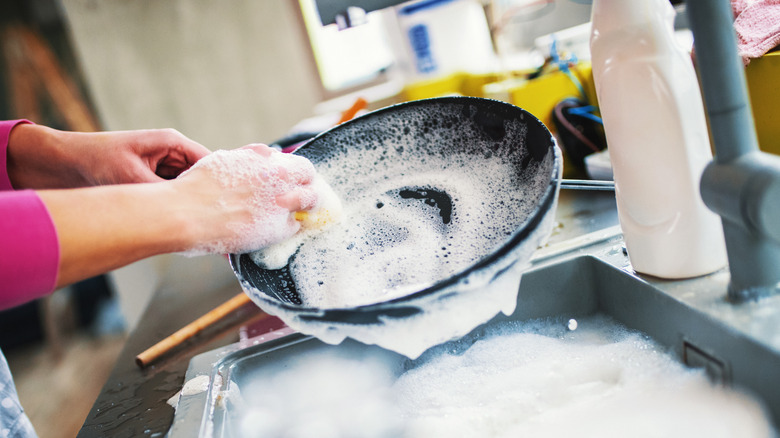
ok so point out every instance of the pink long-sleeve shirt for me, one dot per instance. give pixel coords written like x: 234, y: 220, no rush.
x: 29, y: 248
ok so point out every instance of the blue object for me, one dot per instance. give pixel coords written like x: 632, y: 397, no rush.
x: 421, y: 46
x: 421, y: 6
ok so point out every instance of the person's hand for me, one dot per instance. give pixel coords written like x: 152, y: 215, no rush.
x: 246, y: 198
x: 141, y: 156
x: 41, y: 157
x: 228, y: 202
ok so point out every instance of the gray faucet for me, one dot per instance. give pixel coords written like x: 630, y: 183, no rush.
x: 742, y: 184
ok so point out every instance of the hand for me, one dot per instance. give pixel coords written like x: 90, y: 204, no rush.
x: 140, y: 156
x: 41, y: 157
x: 249, y: 195
x: 229, y: 202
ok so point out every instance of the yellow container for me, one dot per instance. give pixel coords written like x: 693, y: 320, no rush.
x: 763, y: 79
x: 455, y: 84
x: 539, y: 96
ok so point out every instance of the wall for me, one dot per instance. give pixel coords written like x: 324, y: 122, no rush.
x: 225, y: 73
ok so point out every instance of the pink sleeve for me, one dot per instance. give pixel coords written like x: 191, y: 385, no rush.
x: 29, y: 249
x: 5, y: 131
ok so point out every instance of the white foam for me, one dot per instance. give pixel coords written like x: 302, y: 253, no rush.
x: 269, y: 177
x: 541, y: 379
x: 537, y: 379
x: 321, y: 396
x: 196, y: 385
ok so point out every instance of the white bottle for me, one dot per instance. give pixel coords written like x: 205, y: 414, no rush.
x: 657, y: 138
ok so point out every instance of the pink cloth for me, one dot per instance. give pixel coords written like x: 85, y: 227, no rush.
x: 757, y: 23
x: 29, y: 249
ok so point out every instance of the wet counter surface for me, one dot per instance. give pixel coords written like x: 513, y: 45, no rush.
x: 133, y: 401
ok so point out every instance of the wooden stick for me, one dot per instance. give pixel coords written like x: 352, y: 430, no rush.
x: 191, y: 329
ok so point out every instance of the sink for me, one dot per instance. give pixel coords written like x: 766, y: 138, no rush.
x: 736, y: 344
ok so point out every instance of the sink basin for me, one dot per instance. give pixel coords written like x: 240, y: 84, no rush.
x: 736, y: 344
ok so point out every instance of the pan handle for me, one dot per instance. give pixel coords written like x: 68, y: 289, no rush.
x: 587, y: 184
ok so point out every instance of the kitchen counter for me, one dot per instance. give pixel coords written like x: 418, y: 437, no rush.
x: 133, y: 401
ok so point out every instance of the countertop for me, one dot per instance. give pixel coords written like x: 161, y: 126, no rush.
x: 133, y: 401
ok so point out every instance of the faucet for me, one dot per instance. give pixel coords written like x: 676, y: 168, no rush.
x: 742, y: 183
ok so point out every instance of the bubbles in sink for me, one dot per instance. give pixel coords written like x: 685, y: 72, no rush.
x: 536, y: 379
x: 321, y: 395
x: 542, y: 379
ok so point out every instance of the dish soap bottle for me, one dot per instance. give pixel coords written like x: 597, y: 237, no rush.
x: 657, y: 138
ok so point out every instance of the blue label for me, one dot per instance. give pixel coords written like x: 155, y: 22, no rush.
x: 421, y: 45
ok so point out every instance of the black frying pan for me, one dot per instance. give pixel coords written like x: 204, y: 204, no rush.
x: 436, y: 127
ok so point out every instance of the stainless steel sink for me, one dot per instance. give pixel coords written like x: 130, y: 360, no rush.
x: 737, y: 344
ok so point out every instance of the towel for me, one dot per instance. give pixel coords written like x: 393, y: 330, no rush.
x: 757, y: 23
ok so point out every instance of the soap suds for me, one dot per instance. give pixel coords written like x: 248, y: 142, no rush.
x: 321, y: 396
x: 273, y: 176
x: 196, y: 385
x: 537, y: 379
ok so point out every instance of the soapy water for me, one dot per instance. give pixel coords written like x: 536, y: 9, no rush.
x: 406, y: 224
x: 538, y: 378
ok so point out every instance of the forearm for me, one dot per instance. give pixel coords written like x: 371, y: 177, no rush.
x: 103, y: 228
x: 40, y: 157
